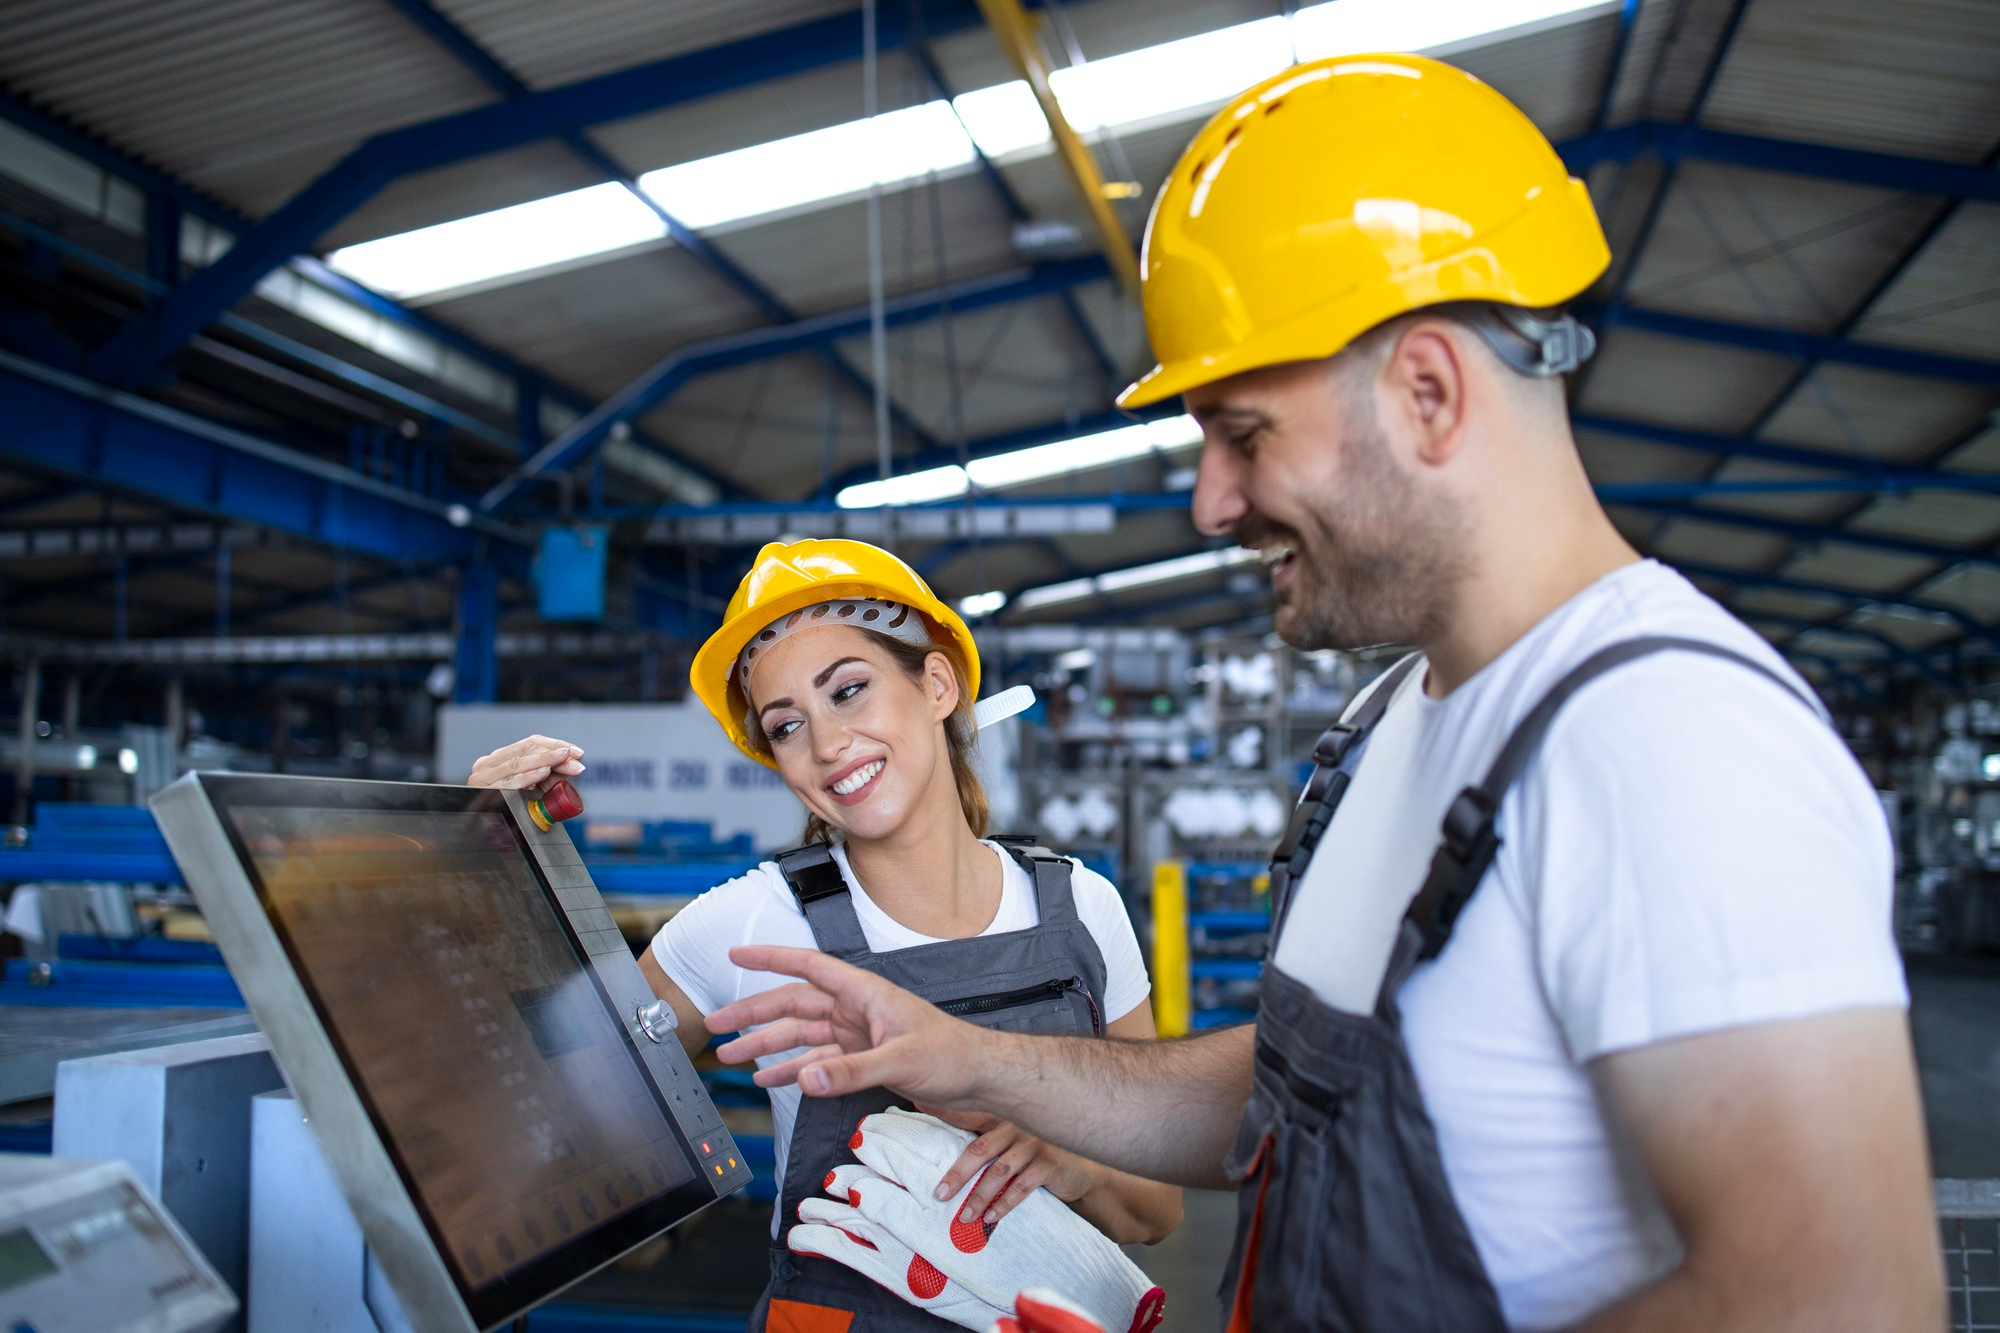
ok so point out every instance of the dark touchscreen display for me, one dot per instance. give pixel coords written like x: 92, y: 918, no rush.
x: 469, y: 1022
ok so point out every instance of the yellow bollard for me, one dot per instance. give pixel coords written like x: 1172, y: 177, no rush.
x: 1172, y: 1004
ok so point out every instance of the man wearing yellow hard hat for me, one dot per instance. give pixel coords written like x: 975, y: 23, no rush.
x: 1582, y: 1009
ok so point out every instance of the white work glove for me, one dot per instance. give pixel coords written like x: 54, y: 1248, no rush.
x: 1044, y: 1312
x: 1040, y: 1244
x: 839, y: 1232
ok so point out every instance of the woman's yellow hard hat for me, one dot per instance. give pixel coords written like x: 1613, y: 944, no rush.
x: 788, y: 577
x: 1341, y: 194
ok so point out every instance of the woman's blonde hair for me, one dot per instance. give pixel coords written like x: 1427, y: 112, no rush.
x: 961, y: 735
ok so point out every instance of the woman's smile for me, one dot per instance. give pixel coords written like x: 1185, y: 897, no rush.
x: 857, y: 781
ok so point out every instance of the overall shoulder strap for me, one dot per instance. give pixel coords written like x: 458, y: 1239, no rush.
x: 1055, y: 900
x: 815, y: 880
x: 1469, y: 842
x: 1335, y: 756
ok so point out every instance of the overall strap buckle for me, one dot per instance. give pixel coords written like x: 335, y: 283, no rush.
x: 810, y: 873
x: 1465, y: 852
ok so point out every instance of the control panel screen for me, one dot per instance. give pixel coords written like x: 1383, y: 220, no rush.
x: 22, y: 1260
x: 473, y: 1027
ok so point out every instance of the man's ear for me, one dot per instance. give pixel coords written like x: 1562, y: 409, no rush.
x: 1426, y: 378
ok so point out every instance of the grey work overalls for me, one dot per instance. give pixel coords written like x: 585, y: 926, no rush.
x: 1346, y: 1222
x: 1048, y: 978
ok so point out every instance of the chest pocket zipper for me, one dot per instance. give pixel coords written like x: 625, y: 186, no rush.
x: 1026, y: 995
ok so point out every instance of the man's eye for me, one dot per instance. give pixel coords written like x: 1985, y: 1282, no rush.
x: 845, y: 692
x: 1246, y: 442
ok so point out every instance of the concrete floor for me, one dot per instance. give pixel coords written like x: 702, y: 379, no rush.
x: 1955, y: 1019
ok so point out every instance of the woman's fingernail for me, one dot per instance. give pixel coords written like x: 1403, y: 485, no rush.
x: 942, y: 1192
x: 991, y: 1217
x: 965, y: 1215
x: 580, y: 765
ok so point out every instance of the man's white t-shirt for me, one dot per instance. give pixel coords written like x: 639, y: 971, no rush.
x: 1692, y: 849
x: 757, y: 908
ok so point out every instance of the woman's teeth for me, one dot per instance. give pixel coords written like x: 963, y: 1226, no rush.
x: 858, y: 779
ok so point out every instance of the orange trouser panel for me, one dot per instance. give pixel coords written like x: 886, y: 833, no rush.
x: 798, y: 1317
x: 1246, y: 1279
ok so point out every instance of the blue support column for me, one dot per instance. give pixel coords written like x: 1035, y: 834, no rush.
x: 478, y: 633
x: 163, y: 241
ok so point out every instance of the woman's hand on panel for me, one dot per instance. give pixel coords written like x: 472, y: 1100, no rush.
x: 1011, y: 1164
x: 527, y: 763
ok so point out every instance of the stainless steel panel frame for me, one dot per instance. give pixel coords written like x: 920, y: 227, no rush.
x: 361, y: 1162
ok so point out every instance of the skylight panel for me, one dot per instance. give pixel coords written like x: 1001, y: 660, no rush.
x: 1023, y: 467
x: 506, y: 241
x: 1138, y: 576
x: 810, y: 168
x: 1158, y: 84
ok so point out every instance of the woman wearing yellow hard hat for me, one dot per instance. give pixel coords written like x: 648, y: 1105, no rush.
x: 837, y: 666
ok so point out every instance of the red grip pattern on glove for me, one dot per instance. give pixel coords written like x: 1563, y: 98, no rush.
x: 971, y: 1237
x: 924, y: 1278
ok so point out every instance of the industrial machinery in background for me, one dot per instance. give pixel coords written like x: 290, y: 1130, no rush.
x: 1940, y: 767
x: 1178, y: 759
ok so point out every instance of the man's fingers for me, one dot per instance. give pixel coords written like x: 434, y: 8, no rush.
x: 842, y: 1074
x: 784, y: 1035
x: 822, y: 970
x: 787, y: 1073
x: 794, y: 1001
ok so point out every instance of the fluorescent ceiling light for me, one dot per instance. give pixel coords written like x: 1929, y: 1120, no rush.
x: 1177, y: 80
x: 981, y: 604
x: 1139, y: 576
x: 1025, y: 466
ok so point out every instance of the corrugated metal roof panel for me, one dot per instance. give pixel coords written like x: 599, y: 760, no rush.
x: 550, y: 45
x: 1770, y: 249
x: 598, y: 325
x: 1980, y: 454
x: 1911, y: 631
x: 1948, y: 300
x: 1850, y: 409
x: 1647, y: 377
x: 245, y: 99
x: 1911, y: 77
x: 1614, y: 460
x: 1973, y: 588
x: 1939, y: 516
x: 1841, y: 565
x: 1806, y: 506
x: 1778, y: 602
x: 1705, y: 543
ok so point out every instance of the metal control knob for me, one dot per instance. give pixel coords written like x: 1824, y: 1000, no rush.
x: 656, y: 1020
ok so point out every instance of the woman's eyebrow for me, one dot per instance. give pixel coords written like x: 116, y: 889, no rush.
x: 827, y: 674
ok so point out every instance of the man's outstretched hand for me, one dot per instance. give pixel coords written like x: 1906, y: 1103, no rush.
x: 860, y: 1031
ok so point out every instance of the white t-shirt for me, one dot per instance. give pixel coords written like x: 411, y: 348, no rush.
x: 757, y: 908
x: 1692, y: 849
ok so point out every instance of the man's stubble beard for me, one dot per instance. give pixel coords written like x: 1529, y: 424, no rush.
x: 1380, y: 561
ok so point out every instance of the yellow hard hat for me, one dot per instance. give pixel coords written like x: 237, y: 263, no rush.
x: 1343, y: 193
x: 788, y: 577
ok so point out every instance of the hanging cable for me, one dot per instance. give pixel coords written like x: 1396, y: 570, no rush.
x: 878, y: 325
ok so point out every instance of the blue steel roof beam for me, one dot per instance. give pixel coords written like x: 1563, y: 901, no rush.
x: 294, y: 598
x: 1819, y: 533
x: 193, y: 202
x: 1628, y: 18
x: 1852, y: 599
x: 504, y: 81
x: 1920, y: 659
x: 70, y: 426
x: 1816, y: 347
x: 357, y: 177
x: 653, y: 385
x: 1664, y: 187
x: 926, y: 62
